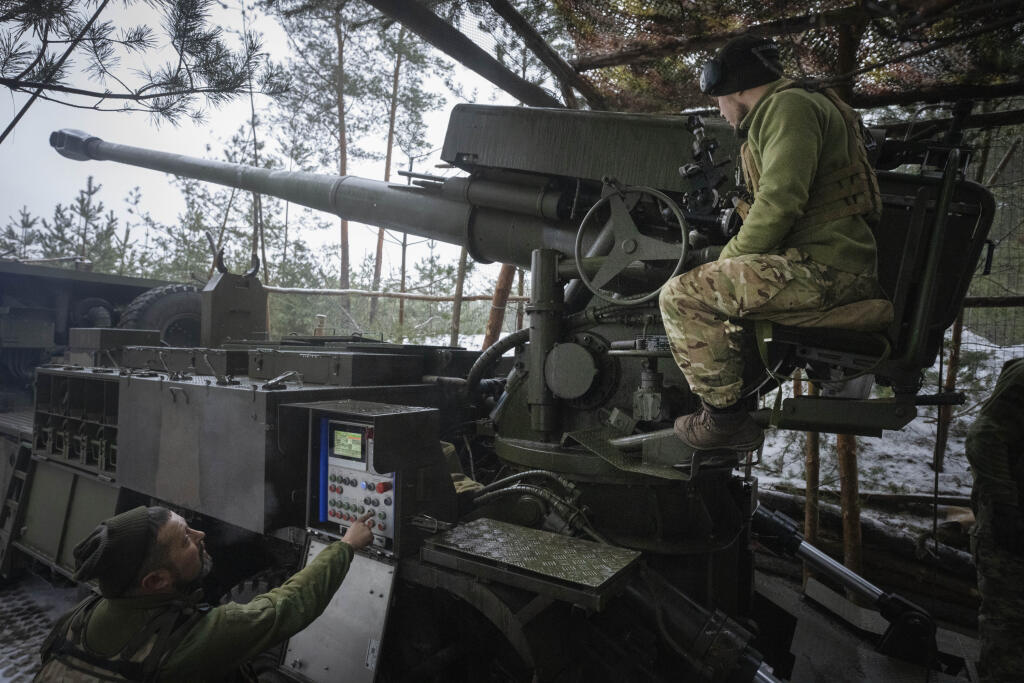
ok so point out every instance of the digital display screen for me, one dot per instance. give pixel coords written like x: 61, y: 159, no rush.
x: 347, y: 444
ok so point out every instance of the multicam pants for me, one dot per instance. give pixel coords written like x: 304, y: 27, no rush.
x: 696, y: 306
x: 1001, y: 616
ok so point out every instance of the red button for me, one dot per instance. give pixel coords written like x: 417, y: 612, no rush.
x: 333, y: 488
x: 330, y: 512
x: 383, y: 486
x: 370, y: 524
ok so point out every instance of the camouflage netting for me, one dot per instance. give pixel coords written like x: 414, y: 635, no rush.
x: 642, y: 55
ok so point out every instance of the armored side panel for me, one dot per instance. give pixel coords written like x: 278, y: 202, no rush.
x: 224, y: 451
x: 637, y: 149
x: 23, y: 327
x: 345, y: 368
x: 64, y: 505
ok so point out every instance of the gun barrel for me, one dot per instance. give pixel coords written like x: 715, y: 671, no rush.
x: 491, y: 234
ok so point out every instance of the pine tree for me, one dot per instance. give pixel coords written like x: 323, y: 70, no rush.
x: 82, y: 231
x: 329, y: 81
x: 407, y: 102
x: 74, y: 51
x: 20, y: 237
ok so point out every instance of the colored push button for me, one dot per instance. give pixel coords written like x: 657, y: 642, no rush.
x: 381, y: 527
x: 371, y: 523
x: 387, y: 501
x: 382, y: 514
x: 383, y: 486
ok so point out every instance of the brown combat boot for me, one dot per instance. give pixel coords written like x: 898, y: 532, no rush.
x: 709, y: 430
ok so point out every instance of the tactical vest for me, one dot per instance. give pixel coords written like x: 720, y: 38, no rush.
x: 66, y: 657
x: 848, y: 191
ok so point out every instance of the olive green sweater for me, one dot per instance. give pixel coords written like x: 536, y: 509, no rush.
x: 795, y: 135
x: 228, y: 635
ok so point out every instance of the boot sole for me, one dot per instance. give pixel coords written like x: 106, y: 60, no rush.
x: 741, y: 447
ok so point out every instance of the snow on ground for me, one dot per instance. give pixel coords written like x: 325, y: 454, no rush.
x: 899, y: 461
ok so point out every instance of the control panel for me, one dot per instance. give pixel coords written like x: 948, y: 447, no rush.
x: 349, y: 486
x: 376, y: 459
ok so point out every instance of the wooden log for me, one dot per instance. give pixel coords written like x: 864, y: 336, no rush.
x: 812, y: 468
x: 460, y: 281
x: 496, y: 318
x: 940, y: 558
x: 846, y: 447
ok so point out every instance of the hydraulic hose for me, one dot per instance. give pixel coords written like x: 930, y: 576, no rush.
x: 489, y: 357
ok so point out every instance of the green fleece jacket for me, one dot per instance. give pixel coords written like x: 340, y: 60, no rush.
x: 228, y: 635
x: 795, y: 135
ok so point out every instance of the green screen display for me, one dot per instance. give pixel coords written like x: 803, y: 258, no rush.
x: 348, y: 444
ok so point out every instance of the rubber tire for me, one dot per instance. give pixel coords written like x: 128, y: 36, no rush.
x: 92, y: 312
x: 174, y: 310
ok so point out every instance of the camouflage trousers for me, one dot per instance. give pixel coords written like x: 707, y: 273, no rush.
x: 696, y: 307
x: 1001, y: 616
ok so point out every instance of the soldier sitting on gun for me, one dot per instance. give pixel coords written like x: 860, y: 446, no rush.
x: 805, y: 244
x: 149, y: 623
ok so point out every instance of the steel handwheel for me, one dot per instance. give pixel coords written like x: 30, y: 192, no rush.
x: 630, y: 245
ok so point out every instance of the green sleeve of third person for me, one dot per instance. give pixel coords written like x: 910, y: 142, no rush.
x: 232, y: 634
x: 995, y: 442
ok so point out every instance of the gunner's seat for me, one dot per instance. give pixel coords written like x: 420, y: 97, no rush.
x: 926, y: 258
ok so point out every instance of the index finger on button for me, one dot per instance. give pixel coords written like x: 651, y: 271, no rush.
x: 365, y: 517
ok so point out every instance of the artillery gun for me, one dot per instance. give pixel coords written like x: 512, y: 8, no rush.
x: 598, y: 547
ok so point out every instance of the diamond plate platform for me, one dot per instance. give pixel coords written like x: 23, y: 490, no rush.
x: 565, y: 568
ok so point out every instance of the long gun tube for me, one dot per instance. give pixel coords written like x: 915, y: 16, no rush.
x: 507, y: 230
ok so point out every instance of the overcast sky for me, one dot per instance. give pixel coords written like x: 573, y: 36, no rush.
x: 35, y: 176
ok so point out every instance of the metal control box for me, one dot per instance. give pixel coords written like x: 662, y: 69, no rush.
x: 376, y: 458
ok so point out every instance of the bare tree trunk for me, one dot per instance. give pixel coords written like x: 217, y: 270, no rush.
x: 519, y: 306
x: 946, y: 411
x: 457, y: 304
x: 849, y: 42
x: 812, y: 477
x: 392, y: 115
x: 496, y: 318
x: 846, y: 446
x: 401, y: 285
x: 339, y: 93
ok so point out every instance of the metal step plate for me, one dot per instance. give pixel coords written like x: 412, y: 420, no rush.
x: 565, y: 568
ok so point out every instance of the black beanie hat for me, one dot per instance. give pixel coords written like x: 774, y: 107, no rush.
x: 115, y: 550
x: 744, y: 62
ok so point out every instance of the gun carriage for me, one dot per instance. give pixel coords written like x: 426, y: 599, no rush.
x: 596, y: 544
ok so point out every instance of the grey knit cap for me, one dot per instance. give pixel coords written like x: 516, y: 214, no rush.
x: 114, y: 552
